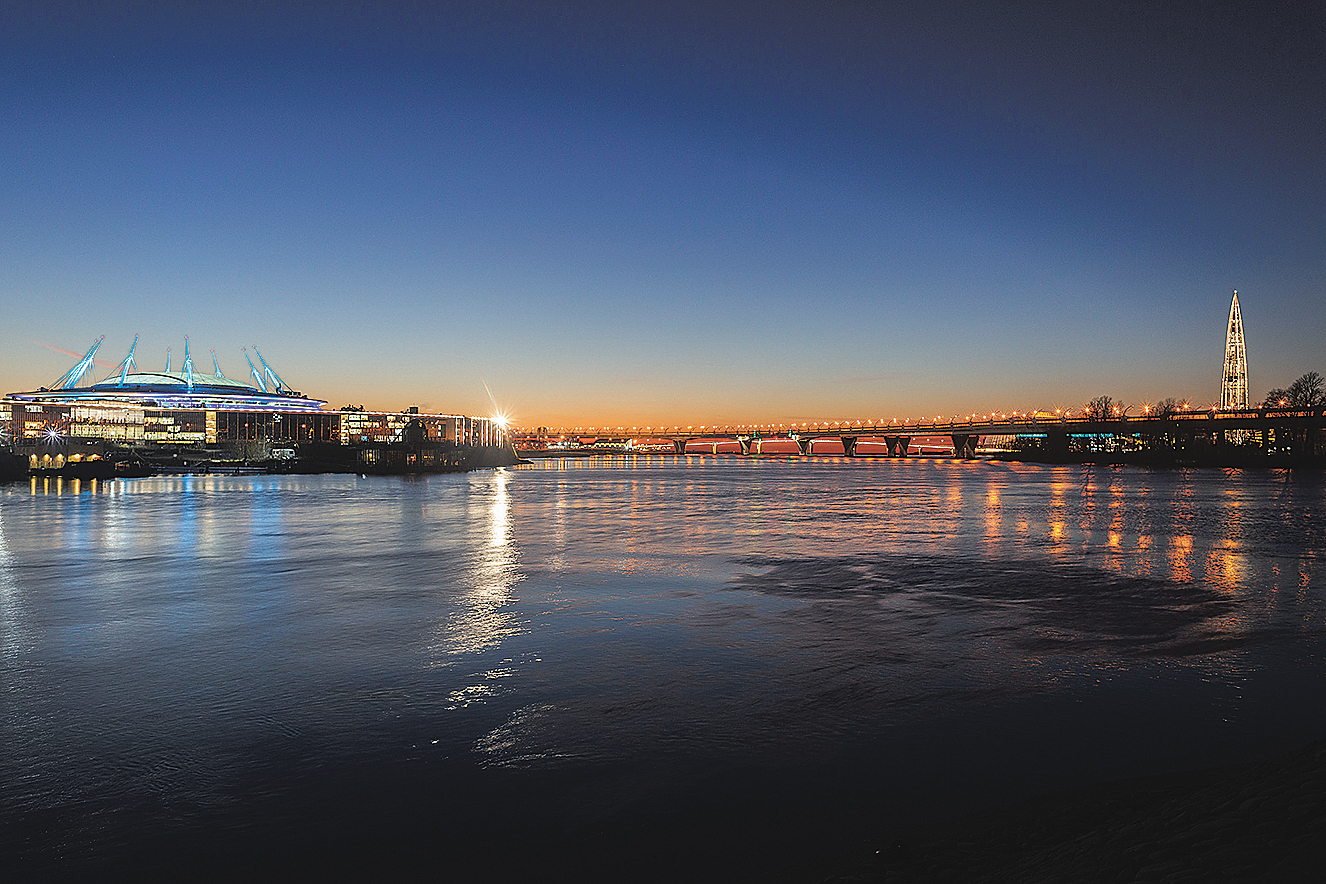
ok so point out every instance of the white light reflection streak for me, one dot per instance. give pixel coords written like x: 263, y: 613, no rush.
x: 501, y: 520
x: 480, y: 620
x: 14, y: 640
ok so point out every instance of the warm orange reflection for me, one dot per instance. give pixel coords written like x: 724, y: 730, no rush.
x: 1168, y: 527
x: 1180, y: 553
x: 1233, y: 568
x: 1057, y: 523
x: 1144, y: 560
x: 993, y: 514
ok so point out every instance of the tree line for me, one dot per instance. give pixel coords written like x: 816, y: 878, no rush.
x: 1308, y: 392
x: 1304, y: 393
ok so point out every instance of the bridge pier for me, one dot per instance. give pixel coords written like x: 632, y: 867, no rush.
x: 964, y: 445
x: 898, y: 445
x: 680, y: 445
x: 803, y: 446
x: 849, y: 445
x: 744, y: 443
x: 1057, y: 444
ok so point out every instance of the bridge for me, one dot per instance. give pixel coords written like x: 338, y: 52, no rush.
x: 1287, y: 430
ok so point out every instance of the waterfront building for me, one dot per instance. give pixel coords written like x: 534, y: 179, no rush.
x: 1234, y: 383
x: 74, y: 418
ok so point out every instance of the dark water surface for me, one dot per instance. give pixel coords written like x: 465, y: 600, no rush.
x: 633, y: 668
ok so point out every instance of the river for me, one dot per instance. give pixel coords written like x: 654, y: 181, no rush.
x: 630, y: 668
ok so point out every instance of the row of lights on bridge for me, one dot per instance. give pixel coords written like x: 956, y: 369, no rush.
x: 824, y: 425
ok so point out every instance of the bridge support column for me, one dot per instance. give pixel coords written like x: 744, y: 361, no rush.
x: 849, y: 446
x: 1057, y: 444
x: 680, y: 445
x: 744, y: 443
x: 803, y: 446
x: 964, y: 445
x: 898, y: 445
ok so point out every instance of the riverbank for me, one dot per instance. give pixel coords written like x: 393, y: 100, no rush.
x: 387, y: 458
x: 1250, y: 822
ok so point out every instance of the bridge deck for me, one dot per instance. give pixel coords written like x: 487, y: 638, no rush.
x: 1182, y: 423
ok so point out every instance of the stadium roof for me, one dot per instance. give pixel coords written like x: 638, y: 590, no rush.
x: 175, y: 389
x: 172, y: 379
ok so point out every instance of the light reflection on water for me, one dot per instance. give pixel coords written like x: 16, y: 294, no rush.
x: 246, y: 650
x: 482, y: 617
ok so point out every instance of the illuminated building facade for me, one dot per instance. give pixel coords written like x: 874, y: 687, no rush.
x: 191, y: 408
x: 357, y: 427
x: 1234, y: 383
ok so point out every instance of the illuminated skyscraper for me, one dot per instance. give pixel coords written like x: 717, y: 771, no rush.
x: 1234, y: 386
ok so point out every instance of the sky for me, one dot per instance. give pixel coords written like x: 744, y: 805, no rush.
x: 655, y: 214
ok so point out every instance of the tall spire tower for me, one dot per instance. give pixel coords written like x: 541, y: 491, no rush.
x: 1234, y: 386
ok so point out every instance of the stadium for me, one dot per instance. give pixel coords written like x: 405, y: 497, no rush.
x: 211, y: 417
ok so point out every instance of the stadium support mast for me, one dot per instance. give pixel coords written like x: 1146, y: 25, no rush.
x: 128, y: 362
x: 74, y: 375
x: 188, y: 365
x: 272, y: 377
x: 1234, y: 386
x: 257, y: 378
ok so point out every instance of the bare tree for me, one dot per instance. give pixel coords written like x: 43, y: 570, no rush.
x: 1166, y: 407
x: 1100, y: 409
x: 1277, y: 398
x: 1306, y: 392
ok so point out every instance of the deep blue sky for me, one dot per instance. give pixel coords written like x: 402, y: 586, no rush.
x: 657, y: 213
